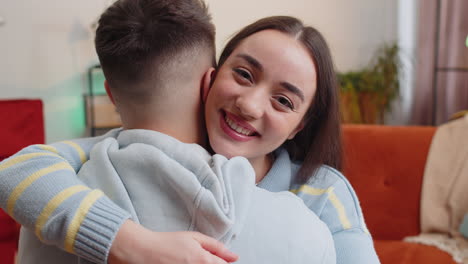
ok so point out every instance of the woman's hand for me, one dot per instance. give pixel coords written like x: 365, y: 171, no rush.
x: 136, y: 244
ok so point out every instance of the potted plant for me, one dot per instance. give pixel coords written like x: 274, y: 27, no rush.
x: 366, y: 95
x: 349, y: 97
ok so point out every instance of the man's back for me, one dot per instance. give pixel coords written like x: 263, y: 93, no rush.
x: 171, y: 186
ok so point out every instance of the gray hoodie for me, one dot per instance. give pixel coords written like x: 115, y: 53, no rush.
x: 167, y: 185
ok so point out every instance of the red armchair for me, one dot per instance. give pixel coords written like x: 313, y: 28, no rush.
x: 385, y: 165
x: 22, y: 125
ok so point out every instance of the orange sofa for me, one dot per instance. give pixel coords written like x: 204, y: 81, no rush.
x: 385, y: 165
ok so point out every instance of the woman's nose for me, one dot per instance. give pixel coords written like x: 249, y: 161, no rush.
x: 251, y: 106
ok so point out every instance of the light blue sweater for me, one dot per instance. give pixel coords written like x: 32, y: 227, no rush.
x: 328, y: 194
x: 73, y: 222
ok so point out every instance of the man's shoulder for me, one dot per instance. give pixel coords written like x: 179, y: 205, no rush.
x: 284, y: 215
x: 281, y: 216
x: 144, y: 138
x: 284, y: 203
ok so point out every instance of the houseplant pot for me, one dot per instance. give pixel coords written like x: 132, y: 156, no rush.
x: 366, y: 95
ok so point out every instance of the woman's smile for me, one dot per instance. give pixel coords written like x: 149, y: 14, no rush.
x: 236, y: 128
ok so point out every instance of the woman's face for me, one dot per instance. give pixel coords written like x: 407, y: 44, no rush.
x: 260, y: 96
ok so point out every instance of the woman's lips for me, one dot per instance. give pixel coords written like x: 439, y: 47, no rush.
x: 240, y: 122
x: 236, y: 128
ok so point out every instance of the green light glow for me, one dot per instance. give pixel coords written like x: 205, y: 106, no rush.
x: 98, y: 81
x: 65, y: 113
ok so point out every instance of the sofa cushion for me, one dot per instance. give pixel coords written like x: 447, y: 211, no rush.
x: 385, y: 165
x: 392, y: 251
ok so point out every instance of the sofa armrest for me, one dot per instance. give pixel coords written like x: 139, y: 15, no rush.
x: 22, y: 125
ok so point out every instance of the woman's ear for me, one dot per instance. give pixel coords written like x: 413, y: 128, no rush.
x: 296, y: 130
x: 107, y: 86
x: 207, y: 81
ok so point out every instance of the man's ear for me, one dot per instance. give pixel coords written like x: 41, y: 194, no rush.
x: 296, y: 130
x: 207, y: 80
x: 107, y: 86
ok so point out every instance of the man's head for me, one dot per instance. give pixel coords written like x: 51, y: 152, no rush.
x: 153, y: 50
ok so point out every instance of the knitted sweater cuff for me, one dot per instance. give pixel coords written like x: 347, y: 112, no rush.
x: 98, y: 230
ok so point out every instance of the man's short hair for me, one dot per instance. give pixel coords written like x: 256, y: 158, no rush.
x: 136, y: 39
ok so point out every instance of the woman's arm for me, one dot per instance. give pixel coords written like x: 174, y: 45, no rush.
x: 39, y: 188
x: 333, y: 199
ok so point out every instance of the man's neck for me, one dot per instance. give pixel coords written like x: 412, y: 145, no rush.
x: 176, y: 131
x: 187, y: 128
x: 178, y: 114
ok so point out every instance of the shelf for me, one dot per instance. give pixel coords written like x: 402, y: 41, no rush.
x: 101, y: 114
x: 104, y: 113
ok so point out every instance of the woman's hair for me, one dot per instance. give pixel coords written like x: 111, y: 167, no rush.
x: 320, y: 141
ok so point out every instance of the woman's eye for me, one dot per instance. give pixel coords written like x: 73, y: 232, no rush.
x: 284, y: 101
x: 243, y: 74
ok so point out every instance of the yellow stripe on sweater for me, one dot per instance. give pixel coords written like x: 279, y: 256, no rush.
x: 21, y: 187
x: 79, y: 217
x: 333, y: 199
x: 22, y: 158
x: 310, y: 190
x: 340, y: 208
x: 48, y: 148
x: 53, y: 204
x: 78, y: 149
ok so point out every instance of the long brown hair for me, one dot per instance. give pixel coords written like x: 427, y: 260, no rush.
x: 320, y: 141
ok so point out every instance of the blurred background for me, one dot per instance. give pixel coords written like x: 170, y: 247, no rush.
x: 399, y: 62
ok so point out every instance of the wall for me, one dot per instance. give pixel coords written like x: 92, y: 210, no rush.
x: 408, y: 13
x: 354, y: 29
x: 46, y: 46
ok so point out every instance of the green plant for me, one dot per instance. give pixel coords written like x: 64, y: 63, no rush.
x: 366, y: 95
x: 349, y: 96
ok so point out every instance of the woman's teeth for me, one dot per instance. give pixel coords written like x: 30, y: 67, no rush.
x: 237, y: 128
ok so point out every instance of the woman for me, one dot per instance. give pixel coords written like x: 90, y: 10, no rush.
x: 261, y: 101
x: 284, y: 94
x: 309, y: 107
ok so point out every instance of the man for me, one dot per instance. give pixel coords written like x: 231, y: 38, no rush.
x: 147, y: 50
